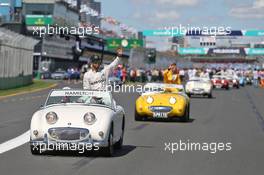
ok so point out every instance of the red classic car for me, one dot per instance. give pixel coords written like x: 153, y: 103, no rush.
x: 220, y: 82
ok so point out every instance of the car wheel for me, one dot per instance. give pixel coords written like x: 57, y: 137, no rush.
x: 137, y: 117
x: 35, y: 150
x: 210, y: 95
x: 109, y: 150
x: 119, y: 144
x: 186, y: 116
x: 227, y: 87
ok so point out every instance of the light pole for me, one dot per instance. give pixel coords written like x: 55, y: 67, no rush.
x: 40, y: 58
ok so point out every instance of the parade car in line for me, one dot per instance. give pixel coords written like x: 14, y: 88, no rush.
x: 249, y: 80
x: 242, y: 80
x: 199, y: 86
x: 59, y: 75
x: 220, y: 82
x: 233, y: 81
x: 78, y: 118
x: 162, y: 101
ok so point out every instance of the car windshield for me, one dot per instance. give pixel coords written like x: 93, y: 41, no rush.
x: 85, y: 97
x: 156, y: 88
x: 200, y: 79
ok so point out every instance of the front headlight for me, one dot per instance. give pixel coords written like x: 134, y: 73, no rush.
x: 223, y: 81
x: 89, y: 118
x: 172, y: 100
x: 51, y: 118
x: 150, y: 100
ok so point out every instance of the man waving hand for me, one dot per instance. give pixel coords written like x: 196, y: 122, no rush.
x: 98, y: 80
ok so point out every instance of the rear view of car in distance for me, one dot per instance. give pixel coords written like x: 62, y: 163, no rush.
x: 59, y: 75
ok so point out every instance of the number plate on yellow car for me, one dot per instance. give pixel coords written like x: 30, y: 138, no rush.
x: 160, y: 115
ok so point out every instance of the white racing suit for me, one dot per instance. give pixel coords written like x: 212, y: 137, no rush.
x: 99, y: 80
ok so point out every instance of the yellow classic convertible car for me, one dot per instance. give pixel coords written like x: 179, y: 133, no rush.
x: 162, y: 101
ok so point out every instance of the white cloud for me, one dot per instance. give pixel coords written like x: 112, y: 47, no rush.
x: 168, y: 15
x: 259, y: 4
x: 178, y: 2
x: 170, y: 2
x: 256, y: 10
x: 157, y: 18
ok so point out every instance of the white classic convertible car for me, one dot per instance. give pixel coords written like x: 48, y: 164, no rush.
x: 78, y: 120
x: 199, y: 86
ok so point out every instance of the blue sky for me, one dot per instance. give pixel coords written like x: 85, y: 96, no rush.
x: 150, y: 14
x: 155, y: 14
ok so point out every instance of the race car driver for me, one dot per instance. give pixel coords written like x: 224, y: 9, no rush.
x: 98, y: 80
x: 171, y: 75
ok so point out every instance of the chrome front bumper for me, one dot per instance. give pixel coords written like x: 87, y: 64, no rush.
x: 199, y: 91
x: 65, y: 137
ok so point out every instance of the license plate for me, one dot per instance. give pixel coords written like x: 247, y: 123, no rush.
x: 218, y: 86
x: 160, y: 115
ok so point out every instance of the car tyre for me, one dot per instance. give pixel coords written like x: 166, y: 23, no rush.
x: 137, y: 117
x: 109, y: 150
x: 119, y: 144
x: 186, y: 116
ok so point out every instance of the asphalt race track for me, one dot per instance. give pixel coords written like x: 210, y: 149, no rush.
x: 235, y: 116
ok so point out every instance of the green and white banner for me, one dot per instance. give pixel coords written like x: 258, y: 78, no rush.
x: 39, y: 20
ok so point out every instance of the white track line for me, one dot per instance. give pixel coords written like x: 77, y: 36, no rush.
x: 15, y: 142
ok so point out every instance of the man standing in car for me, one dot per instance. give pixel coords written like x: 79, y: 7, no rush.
x: 98, y: 80
x: 171, y: 75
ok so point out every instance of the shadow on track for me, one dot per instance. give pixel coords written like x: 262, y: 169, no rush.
x: 201, y: 97
x: 175, y: 120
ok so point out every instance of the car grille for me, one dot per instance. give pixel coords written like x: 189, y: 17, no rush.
x: 160, y: 108
x: 197, y: 89
x: 68, y: 134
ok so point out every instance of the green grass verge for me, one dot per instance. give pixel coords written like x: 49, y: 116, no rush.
x: 36, y: 85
